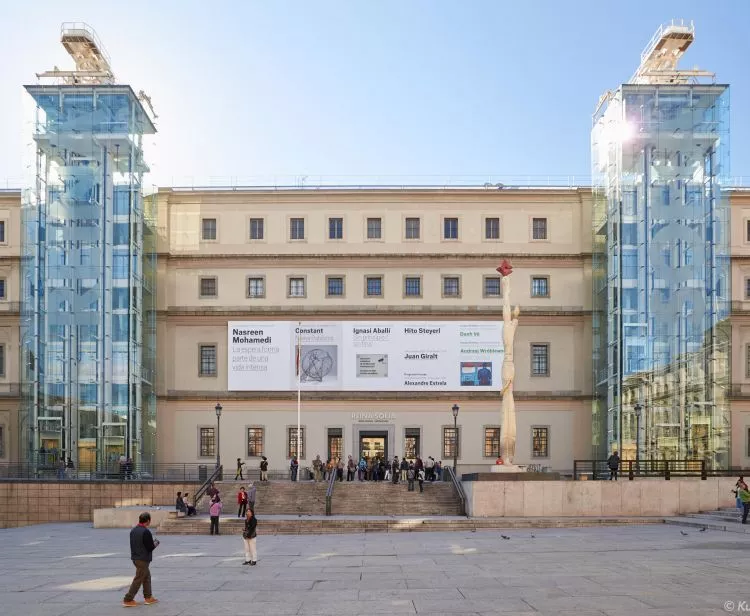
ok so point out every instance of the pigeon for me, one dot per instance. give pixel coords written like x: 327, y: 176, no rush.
x: 683, y: 533
x: 533, y: 536
x: 703, y: 530
x: 505, y: 536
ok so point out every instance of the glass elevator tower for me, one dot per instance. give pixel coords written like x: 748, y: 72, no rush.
x: 661, y: 277
x: 87, y: 330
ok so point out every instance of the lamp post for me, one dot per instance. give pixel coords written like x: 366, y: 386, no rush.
x: 218, y: 435
x: 638, y: 408
x: 455, y: 438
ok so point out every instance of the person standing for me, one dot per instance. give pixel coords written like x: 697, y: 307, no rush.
x: 351, y: 466
x: 430, y: 469
x: 439, y: 470
x: 613, y: 462
x: 744, y: 495
x: 212, y: 491
x: 420, y: 478
x: 238, y: 474
x: 410, y: 477
x: 248, y: 538
x: 215, y: 511
x: 293, y: 468
x: 340, y: 469
x: 317, y: 466
x: 362, y: 469
x: 395, y: 470
x: 404, y: 468
x: 264, y: 468
x: 142, y: 544
x: 242, y: 502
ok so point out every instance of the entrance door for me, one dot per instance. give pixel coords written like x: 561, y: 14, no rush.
x: 373, y: 445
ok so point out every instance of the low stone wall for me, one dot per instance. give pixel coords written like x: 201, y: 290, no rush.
x: 38, y: 502
x: 127, y: 517
x: 641, y: 497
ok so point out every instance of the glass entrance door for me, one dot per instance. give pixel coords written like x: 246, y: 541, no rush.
x: 373, y: 445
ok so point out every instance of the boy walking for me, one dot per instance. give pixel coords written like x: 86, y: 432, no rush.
x: 142, y: 543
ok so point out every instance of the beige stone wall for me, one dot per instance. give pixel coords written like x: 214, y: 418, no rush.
x: 37, y: 502
x: 644, y: 497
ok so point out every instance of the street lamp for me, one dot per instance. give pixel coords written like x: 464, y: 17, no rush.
x: 218, y: 435
x: 455, y: 437
x: 638, y: 408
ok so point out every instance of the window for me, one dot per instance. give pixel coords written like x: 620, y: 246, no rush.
x: 411, y: 229
x: 450, y: 228
x: 540, y: 286
x: 747, y: 361
x: 296, y: 228
x: 208, y: 360
x: 206, y: 442
x: 254, y: 442
x: 539, y: 228
x: 492, y: 286
x: 374, y: 228
x: 492, y: 443
x: 2, y: 441
x: 540, y: 442
x: 374, y: 286
x: 335, y: 228
x: 256, y: 287
x: 413, y: 286
x: 411, y: 443
x: 747, y: 288
x: 296, y: 287
x: 291, y: 448
x: 450, y: 442
x: 492, y: 228
x: 208, y: 229
x: 539, y: 360
x: 748, y: 443
x: 257, y: 229
x: 208, y: 287
x: 335, y: 286
x: 335, y: 443
x: 2, y: 360
x: 451, y: 286
x: 747, y: 231
x: 2, y: 288
x: 2, y: 232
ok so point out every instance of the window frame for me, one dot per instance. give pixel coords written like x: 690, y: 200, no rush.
x: 499, y: 237
x: 330, y: 221
x: 533, y: 230
x: 3, y: 448
x: 546, y: 345
x: 201, y: 280
x: 380, y: 238
x: 250, y: 277
x: 747, y: 230
x: 408, y: 433
x: 215, y: 238
x: 379, y: 277
x: 212, y: 453
x: 3, y: 360
x: 403, y: 286
x: 4, y: 285
x: 406, y: 237
x: 292, y: 430
x: 499, y: 279
x: 747, y: 361
x: 446, y: 455
x: 459, y: 289
x: 289, y: 279
x: 291, y: 220
x: 546, y: 428
x: 485, y: 429
x: 250, y: 221
x: 262, y: 441
x: 444, y: 234
x: 4, y: 227
x: 333, y: 433
x: 201, y: 346
x: 330, y: 277
x: 531, y: 289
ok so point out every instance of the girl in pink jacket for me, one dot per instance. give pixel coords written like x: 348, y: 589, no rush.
x: 215, y: 511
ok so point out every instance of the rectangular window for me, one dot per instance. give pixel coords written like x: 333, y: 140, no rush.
x: 335, y: 228
x: 539, y: 228
x: 411, y: 443
x: 540, y: 286
x: 208, y: 287
x: 2, y: 288
x: 208, y: 360
x: 411, y: 230
x: 296, y: 228
x: 451, y: 286
x: 208, y: 229
x: 747, y: 361
x: 256, y: 287
x: 540, y: 442
x: 374, y: 286
x: 492, y: 442
x: 257, y: 228
x: 450, y: 228
x: 747, y: 231
x: 296, y: 287
x: 335, y: 286
x: 2, y: 232
x: 450, y: 443
x: 254, y: 442
x: 2, y: 360
x: 492, y: 228
x: 335, y: 443
x: 374, y: 228
x: 291, y: 449
x: 539, y: 360
x: 2, y: 441
x: 206, y: 442
x: 492, y: 286
x: 747, y: 288
x: 413, y: 286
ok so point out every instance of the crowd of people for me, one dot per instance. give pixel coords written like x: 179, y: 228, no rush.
x: 377, y: 469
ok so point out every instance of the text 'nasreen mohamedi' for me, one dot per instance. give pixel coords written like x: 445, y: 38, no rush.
x: 249, y: 336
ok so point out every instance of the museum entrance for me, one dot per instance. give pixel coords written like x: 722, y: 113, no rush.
x: 373, y: 445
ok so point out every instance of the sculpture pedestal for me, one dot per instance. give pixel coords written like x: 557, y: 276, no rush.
x: 507, y: 468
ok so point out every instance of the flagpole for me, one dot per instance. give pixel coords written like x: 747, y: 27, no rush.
x: 299, y: 393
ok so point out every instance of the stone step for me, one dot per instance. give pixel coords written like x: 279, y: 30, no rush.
x: 708, y: 523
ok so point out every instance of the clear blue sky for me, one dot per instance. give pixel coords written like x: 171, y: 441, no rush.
x: 371, y: 88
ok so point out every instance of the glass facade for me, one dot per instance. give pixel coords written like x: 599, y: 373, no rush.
x: 661, y: 278
x: 88, y: 267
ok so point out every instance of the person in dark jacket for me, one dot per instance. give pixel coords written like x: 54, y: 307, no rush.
x: 613, y: 462
x: 264, y: 469
x: 248, y: 538
x: 179, y: 504
x: 142, y: 544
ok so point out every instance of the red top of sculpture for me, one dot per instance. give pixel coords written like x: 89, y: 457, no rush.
x: 505, y: 269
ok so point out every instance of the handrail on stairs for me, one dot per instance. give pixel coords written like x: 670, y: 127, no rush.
x: 329, y: 491
x: 204, y: 488
x: 457, y: 487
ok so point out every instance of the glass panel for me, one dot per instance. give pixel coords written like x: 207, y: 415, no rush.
x: 374, y: 286
x: 374, y: 229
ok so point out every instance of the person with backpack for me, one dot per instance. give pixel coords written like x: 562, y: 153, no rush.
x: 264, y: 468
x: 613, y: 462
x: 410, y: 477
x: 248, y: 538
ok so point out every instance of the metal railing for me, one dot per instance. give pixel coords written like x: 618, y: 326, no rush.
x: 599, y: 469
x: 329, y: 491
x: 47, y: 469
x: 457, y: 487
x: 206, y: 484
x: 304, y: 473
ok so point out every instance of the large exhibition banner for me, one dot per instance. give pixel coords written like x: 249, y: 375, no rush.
x: 365, y: 355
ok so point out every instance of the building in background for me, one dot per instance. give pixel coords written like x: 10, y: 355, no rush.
x: 661, y: 274
x: 87, y: 253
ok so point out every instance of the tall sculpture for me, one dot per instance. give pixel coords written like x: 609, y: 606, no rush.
x: 510, y: 324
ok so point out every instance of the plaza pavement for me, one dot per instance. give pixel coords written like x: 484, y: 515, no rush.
x: 72, y: 569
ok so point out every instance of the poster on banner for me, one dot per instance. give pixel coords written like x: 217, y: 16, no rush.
x: 365, y: 356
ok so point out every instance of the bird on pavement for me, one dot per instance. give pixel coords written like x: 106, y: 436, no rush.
x: 533, y: 536
x: 683, y: 533
x: 505, y: 536
x: 703, y: 530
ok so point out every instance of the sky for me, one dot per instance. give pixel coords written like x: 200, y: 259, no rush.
x: 370, y: 91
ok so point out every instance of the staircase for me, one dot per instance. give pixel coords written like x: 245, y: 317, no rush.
x: 273, y: 497
x: 726, y: 519
x: 382, y: 498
